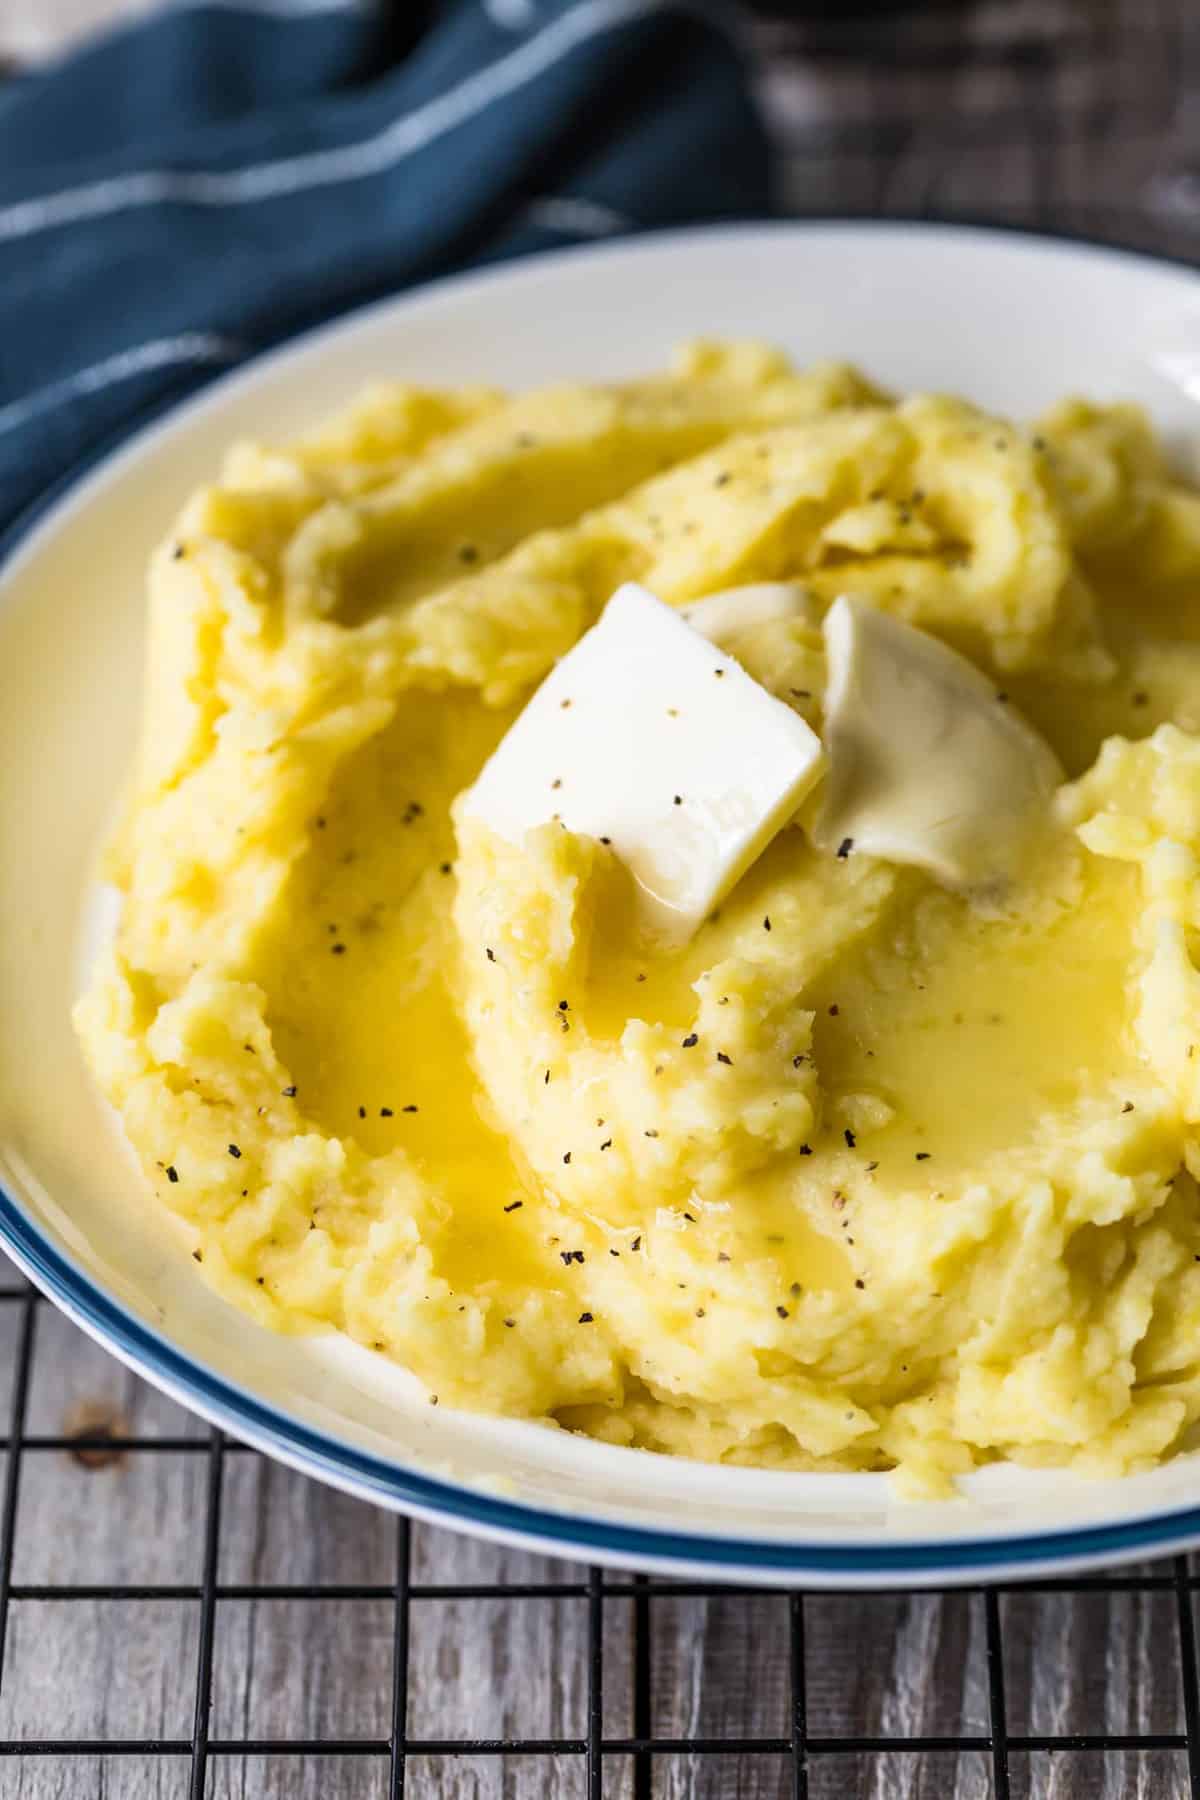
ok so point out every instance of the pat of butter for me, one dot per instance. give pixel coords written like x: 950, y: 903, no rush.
x: 725, y: 615
x: 928, y: 763
x: 647, y: 737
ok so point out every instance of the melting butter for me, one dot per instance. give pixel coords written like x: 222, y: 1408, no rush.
x: 928, y: 763
x: 724, y: 616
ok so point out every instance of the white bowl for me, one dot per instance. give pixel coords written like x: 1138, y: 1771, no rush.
x: 1008, y: 319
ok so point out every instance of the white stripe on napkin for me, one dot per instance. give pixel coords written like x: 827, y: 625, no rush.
x: 581, y: 218
x: 161, y: 353
x: 511, y: 15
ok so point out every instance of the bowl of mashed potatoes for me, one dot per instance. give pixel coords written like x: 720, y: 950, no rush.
x: 641, y: 962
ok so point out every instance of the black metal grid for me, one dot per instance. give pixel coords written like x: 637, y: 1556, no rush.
x: 640, y: 1750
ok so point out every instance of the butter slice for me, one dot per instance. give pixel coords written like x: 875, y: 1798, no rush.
x: 725, y: 615
x: 647, y: 736
x: 928, y: 763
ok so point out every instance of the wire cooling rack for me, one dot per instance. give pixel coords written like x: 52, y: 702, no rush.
x: 1157, y: 1754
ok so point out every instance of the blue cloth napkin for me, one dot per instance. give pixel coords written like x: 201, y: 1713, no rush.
x: 208, y: 180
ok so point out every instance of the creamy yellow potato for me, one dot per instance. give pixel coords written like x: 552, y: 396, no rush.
x: 864, y: 1176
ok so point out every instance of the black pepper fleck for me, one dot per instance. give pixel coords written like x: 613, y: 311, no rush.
x: 234, y: 1152
x: 585, y: 1318
x: 172, y: 1172
x: 850, y: 1138
x: 722, y: 1058
x: 782, y: 1311
x: 566, y: 1156
x: 385, y: 1112
x: 514, y: 1206
x: 289, y: 1093
x: 490, y: 953
x: 844, y: 848
x: 767, y: 923
x: 690, y: 1041
x: 923, y: 1155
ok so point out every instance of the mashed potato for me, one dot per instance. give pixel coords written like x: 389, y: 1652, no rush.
x: 863, y: 1176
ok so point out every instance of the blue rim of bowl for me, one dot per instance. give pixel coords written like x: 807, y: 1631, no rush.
x: 389, y: 1482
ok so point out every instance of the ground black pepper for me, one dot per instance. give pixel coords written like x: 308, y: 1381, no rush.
x: 514, y: 1206
x: 172, y: 1172
x: 234, y: 1152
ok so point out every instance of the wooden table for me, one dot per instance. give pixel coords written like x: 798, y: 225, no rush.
x: 1059, y: 112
